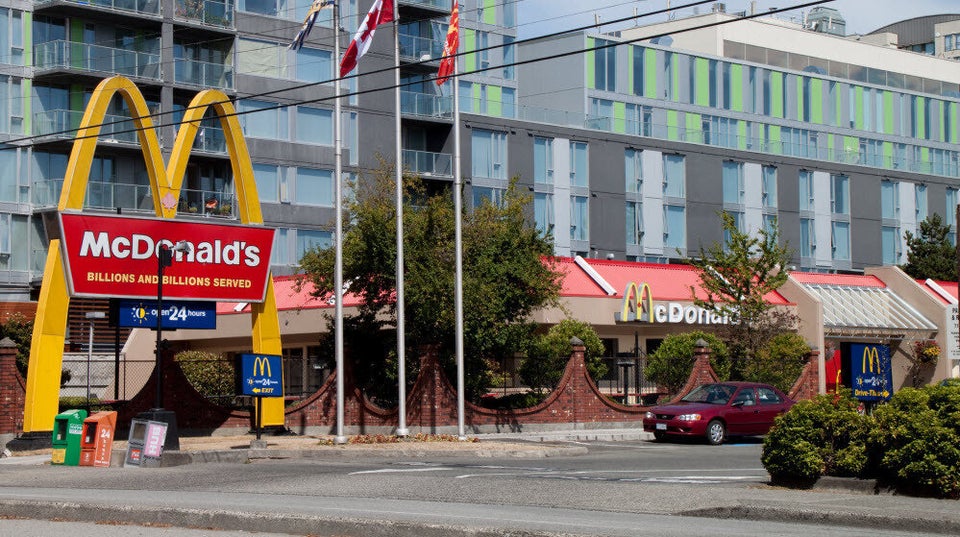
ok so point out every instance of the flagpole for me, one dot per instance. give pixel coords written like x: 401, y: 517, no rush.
x: 458, y: 241
x: 338, y: 262
x: 401, y: 338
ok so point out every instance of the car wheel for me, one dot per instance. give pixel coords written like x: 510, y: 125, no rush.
x: 716, y: 432
x: 659, y: 436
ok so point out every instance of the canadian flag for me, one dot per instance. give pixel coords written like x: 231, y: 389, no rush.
x: 381, y: 12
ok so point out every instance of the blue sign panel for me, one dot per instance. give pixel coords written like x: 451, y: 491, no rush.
x: 176, y: 314
x: 261, y: 375
x: 871, y: 377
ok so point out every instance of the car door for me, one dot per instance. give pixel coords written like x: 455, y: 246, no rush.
x: 742, y: 412
x: 769, y: 406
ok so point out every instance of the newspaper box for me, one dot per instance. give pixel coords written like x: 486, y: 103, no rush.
x: 145, y: 444
x: 96, y: 443
x: 67, y: 428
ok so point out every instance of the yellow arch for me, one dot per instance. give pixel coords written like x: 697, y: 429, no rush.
x: 46, y: 351
x: 637, y: 303
x: 645, y: 303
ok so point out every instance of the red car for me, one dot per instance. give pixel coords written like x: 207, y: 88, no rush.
x: 716, y: 411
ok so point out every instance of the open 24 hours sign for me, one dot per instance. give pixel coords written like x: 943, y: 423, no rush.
x: 115, y: 256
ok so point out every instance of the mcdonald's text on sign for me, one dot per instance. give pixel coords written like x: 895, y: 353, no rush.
x: 638, y: 306
x: 261, y: 375
x: 116, y: 256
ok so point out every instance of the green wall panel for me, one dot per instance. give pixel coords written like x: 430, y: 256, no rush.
x: 650, y: 73
x: 887, y: 154
x: 490, y: 11
x: 888, y: 112
x: 470, y: 44
x: 702, y: 69
x: 591, y: 63
x: 774, y: 139
x: 776, y: 94
x: 619, y: 117
x: 673, y: 120
x: 736, y: 87
x: 851, y: 148
x: 694, y: 128
x: 857, y: 105
x: 495, y: 101
x: 816, y: 100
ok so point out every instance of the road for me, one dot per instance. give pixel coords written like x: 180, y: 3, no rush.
x: 617, y: 489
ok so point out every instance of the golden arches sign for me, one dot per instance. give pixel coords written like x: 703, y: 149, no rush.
x: 637, y: 303
x: 870, y: 363
x: 49, y: 331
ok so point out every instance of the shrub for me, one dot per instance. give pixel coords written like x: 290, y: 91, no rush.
x: 670, y: 365
x: 541, y: 371
x: 779, y: 362
x: 209, y: 373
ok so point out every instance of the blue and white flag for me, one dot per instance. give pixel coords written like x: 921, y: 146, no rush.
x: 308, y: 22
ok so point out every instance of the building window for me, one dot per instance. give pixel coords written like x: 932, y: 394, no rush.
x: 314, y: 65
x: 840, y: 240
x: 579, y: 164
x: 314, y: 187
x: 839, y: 194
x: 509, y: 57
x: 605, y: 65
x: 638, y: 53
x: 543, y: 160
x: 487, y: 194
x: 314, y: 126
x: 634, y: 218
x: 674, y: 176
x: 309, y: 239
x: 890, y: 244
x: 950, y: 215
x: 675, y: 227
x: 543, y: 212
x: 808, y: 237
x: 579, y: 218
x: 267, y: 177
x: 261, y: 119
x: 489, y: 154
x: 633, y: 170
x: 733, y: 192
x: 11, y: 36
x: 806, y: 190
x: 920, y: 196
x: 768, y: 194
x: 889, y: 200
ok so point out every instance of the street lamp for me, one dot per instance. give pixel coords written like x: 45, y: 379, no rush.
x: 164, y: 260
x: 91, y: 316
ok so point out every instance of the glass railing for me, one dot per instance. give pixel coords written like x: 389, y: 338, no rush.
x: 212, y: 12
x: 418, y: 48
x: 211, y: 140
x: 426, y: 163
x: 442, y: 5
x: 205, y: 74
x: 146, y: 7
x: 426, y: 105
x: 64, y: 124
x: 110, y: 196
x: 61, y: 54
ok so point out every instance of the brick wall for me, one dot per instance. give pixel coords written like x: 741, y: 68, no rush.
x: 807, y: 385
x: 11, y: 391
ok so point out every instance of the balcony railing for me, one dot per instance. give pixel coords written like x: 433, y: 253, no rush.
x: 210, y: 139
x: 416, y: 48
x: 441, y: 5
x: 211, y: 12
x: 130, y: 197
x: 426, y: 163
x: 205, y: 74
x: 145, y: 7
x: 63, y: 124
x: 426, y: 105
x: 62, y: 54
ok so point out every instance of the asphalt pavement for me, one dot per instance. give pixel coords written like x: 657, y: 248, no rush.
x: 834, y: 502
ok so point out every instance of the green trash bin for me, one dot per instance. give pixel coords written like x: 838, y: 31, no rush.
x: 67, y: 433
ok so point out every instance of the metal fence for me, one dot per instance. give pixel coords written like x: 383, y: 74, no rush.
x: 96, y: 379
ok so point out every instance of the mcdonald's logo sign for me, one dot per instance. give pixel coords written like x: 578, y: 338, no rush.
x: 637, y: 304
x: 50, y: 324
x: 871, y: 376
x: 256, y: 375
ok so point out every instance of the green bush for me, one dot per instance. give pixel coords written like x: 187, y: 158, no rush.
x: 670, y: 365
x: 544, y: 366
x: 514, y: 400
x: 910, y: 443
x: 779, y: 362
x: 209, y: 373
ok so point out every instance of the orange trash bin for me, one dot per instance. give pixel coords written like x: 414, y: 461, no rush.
x: 96, y: 441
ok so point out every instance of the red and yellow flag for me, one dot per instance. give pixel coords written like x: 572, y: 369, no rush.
x: 448, y: 62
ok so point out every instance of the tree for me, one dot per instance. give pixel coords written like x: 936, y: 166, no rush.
x: 19, y: 329
x: 930, y: 254
x: 779, y: 362
x: 542, y: 368
x: 670, y: 365
x: 736, y: 275
x: 507, y: 272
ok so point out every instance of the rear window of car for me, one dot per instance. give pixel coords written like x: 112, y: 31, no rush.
x: 768, y: 396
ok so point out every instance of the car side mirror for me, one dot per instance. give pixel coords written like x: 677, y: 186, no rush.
x: 737, y: 403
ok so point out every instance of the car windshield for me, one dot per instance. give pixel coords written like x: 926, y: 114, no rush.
x: 715, y: 394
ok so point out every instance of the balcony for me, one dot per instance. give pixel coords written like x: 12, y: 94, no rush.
x: 63, y: 124
x: 428, y: 164
x: 436, y: 5
x: 130, y: 197
x: 203, y: 74
x: 142, y: 7
x: 415, y: 48
x: 425, y: 105
x: 62, y: 55
x: 206, y: 12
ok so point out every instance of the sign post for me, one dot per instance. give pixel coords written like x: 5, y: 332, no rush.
x: 261, y: 375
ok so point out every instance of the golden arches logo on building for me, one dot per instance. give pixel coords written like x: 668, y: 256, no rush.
x: 264, y: 364
x: 870, y: 363
x: 637, y: 303
x: 49, y: 333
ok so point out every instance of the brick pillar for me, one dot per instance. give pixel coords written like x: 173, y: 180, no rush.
x: 807, y: 385
x: 702, y: 372
x: 578, y: 384
x: 11, y: 393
